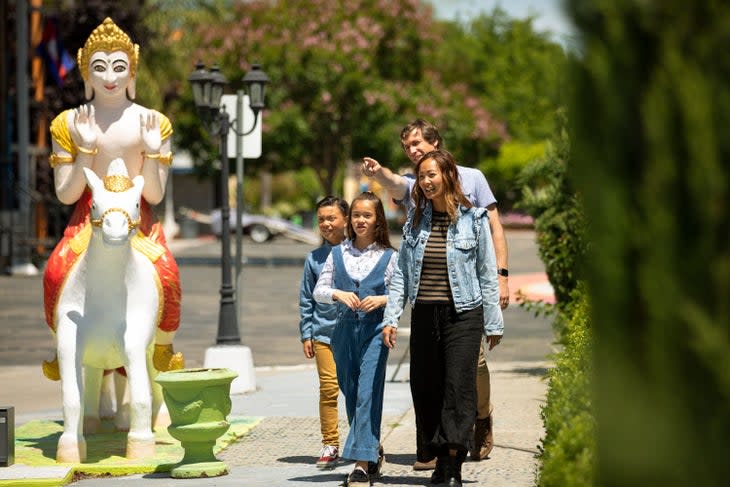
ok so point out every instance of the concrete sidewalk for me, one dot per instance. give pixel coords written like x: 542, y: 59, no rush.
x: 282, y: 449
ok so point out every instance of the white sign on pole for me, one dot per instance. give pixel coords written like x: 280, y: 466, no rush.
x: 251, y: 142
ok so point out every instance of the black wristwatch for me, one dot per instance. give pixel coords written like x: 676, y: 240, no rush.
x: 503, y: 272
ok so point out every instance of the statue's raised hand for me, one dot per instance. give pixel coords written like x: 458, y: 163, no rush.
x: 83, y: 129
x: 149, y: 126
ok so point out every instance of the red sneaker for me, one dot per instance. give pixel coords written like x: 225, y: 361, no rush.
x: 328, y: 457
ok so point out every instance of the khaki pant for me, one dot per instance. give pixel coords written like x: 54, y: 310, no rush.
x: 484, y: 403
x: 328, y: 392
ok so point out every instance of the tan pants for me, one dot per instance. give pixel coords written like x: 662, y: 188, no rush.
x: 484, y: 403
x: 328, y: 392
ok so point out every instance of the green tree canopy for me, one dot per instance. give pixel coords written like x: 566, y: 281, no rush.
x: 345, y: 78
x: 517, y: 71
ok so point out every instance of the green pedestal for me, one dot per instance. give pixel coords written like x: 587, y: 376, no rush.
x: 199, y: 402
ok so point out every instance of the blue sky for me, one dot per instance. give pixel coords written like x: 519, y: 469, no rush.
x: 548, y: 14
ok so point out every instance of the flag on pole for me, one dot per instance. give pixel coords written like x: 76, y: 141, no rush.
x: 57, y: 58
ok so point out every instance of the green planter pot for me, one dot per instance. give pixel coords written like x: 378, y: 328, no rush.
x: 199, y: 401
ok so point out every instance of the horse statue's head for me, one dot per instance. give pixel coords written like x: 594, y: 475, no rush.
x: 115, y: 202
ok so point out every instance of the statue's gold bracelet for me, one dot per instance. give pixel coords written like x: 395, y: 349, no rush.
x: 56, y: 159
x: 84, y: 150
x: 163, y: 158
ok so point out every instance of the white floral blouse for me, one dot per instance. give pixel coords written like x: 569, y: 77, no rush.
x: 358, y: 263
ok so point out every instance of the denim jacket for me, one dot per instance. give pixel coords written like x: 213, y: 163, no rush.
x: 317, y: 320
x: 471, y: 263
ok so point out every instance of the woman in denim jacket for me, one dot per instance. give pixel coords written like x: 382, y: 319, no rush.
x: 447, y: 271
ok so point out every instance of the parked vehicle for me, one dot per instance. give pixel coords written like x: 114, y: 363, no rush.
x: 260, y: 228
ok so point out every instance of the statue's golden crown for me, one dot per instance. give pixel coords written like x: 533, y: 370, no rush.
x: 107, y: 37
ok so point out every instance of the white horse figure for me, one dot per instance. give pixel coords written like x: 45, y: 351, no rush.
x: 107, y: 316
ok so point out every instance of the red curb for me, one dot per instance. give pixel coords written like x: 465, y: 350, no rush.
x: 531, y: 287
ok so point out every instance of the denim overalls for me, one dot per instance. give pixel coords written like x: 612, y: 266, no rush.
x: 361, y: 358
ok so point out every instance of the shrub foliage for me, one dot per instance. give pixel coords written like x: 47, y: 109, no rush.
x: 568, y: 449
x: 548, y: 196
x: 651, y: 158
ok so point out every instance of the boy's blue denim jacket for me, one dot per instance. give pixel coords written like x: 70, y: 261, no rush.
x: 317, y: 320
x: 471, y: 265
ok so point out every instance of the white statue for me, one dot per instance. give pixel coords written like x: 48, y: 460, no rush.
x: 110, y: 127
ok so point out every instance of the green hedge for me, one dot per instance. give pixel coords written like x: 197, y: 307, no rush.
x: 568, y: 448
x: 651, y: 158
x: 548, y: 196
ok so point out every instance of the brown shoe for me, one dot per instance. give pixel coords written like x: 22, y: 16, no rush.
x: 425, y: 465
x: 483, y: 439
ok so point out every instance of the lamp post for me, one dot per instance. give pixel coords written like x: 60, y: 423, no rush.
x: 208, y: 89
x: 255, y: 81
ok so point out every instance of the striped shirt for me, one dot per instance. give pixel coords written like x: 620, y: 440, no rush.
x: 434, y: 286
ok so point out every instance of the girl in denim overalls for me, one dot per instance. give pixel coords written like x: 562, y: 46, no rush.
x: 356, y: 277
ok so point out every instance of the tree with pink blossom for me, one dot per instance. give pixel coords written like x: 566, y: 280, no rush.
x: 345, y: 77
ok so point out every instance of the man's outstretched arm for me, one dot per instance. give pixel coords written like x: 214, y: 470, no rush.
x: 394, y: 183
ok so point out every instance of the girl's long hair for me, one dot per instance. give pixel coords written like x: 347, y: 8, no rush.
x: 330, y: 200
x: 453, y: 193
x: 382, y: 235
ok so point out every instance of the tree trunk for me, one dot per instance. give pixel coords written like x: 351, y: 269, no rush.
x: 265, y: 178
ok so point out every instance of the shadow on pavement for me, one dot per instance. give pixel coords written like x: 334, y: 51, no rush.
x: 533, y: 371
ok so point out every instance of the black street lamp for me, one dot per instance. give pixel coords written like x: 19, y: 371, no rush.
x: 208, y: 89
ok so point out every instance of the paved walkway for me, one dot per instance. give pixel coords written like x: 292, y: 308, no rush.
x: 282, y: 448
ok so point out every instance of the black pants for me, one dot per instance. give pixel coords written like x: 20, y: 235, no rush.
x: 444, y: 353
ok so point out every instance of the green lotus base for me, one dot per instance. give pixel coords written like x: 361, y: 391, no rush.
x: 197, y: 470
x: 35, y: 446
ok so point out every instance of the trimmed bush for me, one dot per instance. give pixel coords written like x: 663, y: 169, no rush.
x: 568, y: 449
x: 651, y: 157
x: 549, y: 198
x: 503, y: 171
